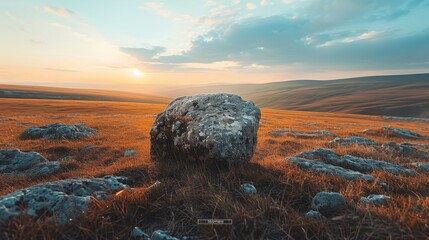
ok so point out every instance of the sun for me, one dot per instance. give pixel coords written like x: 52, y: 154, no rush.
x: 137, y: 72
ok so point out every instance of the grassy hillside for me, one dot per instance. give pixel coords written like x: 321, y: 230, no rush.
x: 38, y: 92
x: 187, y: 193
x: 397, y: 95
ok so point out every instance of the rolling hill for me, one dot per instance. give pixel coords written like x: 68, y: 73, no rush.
x: 396, y: 95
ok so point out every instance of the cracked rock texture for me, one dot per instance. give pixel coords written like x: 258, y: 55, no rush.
x: 14, y: 162
x: 355, y: 163
x: 65, y: 199
x: 328, y: 203
x: 206, y: 128
x: 58, y: 131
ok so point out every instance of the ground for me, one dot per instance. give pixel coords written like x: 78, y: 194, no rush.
x: 188, y: 193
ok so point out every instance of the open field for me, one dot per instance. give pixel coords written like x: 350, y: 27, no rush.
x: 188, y: 193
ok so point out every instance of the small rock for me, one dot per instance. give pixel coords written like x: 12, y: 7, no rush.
x: 58, y: 131
x: 162, y: 235
x: 375, y: 199
x: 355, y: 140
x: 328, y: 203
x: 88, y: 148
x: 422, y: 166
x: 138, y: 233
x: 409, y: 119
x: 248, y: 188
x: 314, y: 214
x: 403, y: 133
x: 318, y: 133
x: 128, y: 153
x: 14, y: 162
x: 416, y: 145
x: 392, y: 147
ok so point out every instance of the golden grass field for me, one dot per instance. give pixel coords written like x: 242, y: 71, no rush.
x: 191, y: 192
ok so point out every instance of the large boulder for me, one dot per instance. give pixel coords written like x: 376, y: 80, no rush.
x: 14, y: 162
x: 206, y: 128
x: 66, y: 199
x: 58, y: 131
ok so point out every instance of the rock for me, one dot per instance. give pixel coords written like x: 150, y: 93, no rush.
x: 14, y: 162
x: 422, y: 166
x: 206, y: 128
x: 128, y: 153
x: 139, y: 234
x: 328, y: 203
x: 248, y: 188
x: 65, y: 199
x: 408, y: 119
x: 162, y: 235
x: 355, y: 163
x: 311, y: 124
x: 88, y: 148
x: 329, y: 169
x: 314, y: 214
x: 403, y: 133
x: 319, y: 133
x: 416, y: 145
x: 403, y: 149
x: 58, y: 131
x: 355, y: 140
x: 375, y: 199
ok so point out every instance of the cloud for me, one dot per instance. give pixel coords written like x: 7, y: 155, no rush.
x: 251, y: 6
x: 62, y: 12
x: 154, y: 5
x: 264, y: 2
x: 144, y: 53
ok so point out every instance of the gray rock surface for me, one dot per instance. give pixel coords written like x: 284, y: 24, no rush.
x: 422, y: 166
x: 355, y: 163
x: 319, y: 133
x: 404, y: 149
x: 65, y: 199
x: 415, y: 145
x: 375, y: 199
x: 408, y: 119
x: 318, y: 166
x: 314, y: 214
x: 328, y: 203
x: 403, y: 133
x: 128, y: 153
x: 162, y: 235
x: 248, y: 188
x: 206, y: 128
x: 58, y: 131
x: 355, y: 140
x: 14, y: 162
x: 139, y: 234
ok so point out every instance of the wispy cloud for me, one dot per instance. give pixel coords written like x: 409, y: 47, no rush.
x: 62, y: 12
x: 251, y: 6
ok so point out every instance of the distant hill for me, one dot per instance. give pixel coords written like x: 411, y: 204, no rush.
x: 36, y: 92
x: 396, y: 95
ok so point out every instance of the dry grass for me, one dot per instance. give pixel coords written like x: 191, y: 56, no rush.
x: 190, y: 192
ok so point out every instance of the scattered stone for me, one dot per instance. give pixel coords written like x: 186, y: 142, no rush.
x: 375, y: 199
x: 355, y: 140
x: 403, y: 132
x: 392, y: 147
x: 58, y: 131
x: 408, y: 119
x: 314, y: 214
x: 88, y: 148
x: 14, y: 162
x: 416, y: 145
x: 65, y: 199
x: 248, y: 188
x: 311, y: 124
x: 128, y: 153
x: 206, y: 128
x: 162, y: 235
x: 318, y: 133
x: 329, y: 169
x: 355, y: 163
x: 328, y: 203
x: 422, y: 166
x: 138, y: 233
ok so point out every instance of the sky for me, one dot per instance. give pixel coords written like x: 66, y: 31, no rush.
x: 127, y: 45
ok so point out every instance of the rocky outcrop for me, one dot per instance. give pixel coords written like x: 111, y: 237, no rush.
x: 206, y: 128
x: 328, y: 203
x: 14, y: 162
x: 63, y: 200
x: 407, y: 119
x: 318, y: 166
x: 403, y: 133
x: 375, y: 199
x: 58, y: 131
x: 404, y: 149
x: 319, y: 133
x: 355, y: 163
x: 355, y: 140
